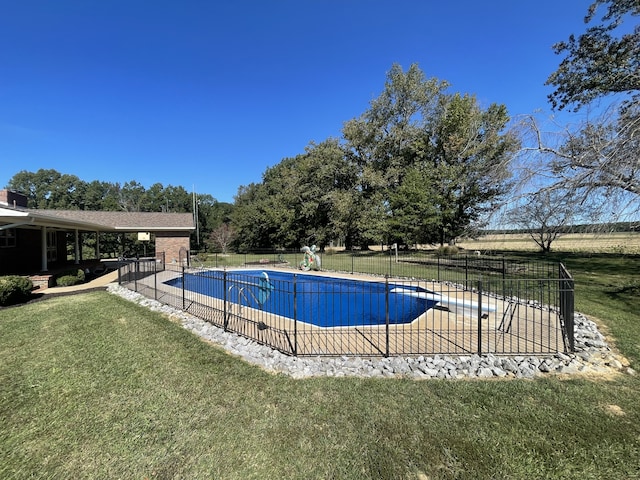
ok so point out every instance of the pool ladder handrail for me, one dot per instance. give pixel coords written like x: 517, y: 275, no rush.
x: 242, y: 294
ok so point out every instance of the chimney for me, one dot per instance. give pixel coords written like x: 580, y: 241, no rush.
x: 9, y: 198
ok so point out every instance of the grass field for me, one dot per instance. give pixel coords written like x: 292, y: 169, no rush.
x: 616, y: 243
x: 92, y: 386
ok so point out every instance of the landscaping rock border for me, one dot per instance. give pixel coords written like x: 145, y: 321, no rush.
x: 593, y: 356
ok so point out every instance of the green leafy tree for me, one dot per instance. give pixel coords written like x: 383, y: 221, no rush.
x: 252, y: 218
x: 299, y: 201
x: 417, y: 165
x: 155, y: 199
x: 380, y: 145
x: 604, y: 60
x: 99, y: 196
x: 178, y: 198
x: 469, y: 155
x: 131, y: 197
x: 458, y: 151
x: 415, y: 215
x: 49, y: 189
x: 211, y: 215
x: 315, y: 183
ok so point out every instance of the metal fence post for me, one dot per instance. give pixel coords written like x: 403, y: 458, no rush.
x: 183, y: 287
x: 352, y: 260
x: 567, y: 304
x: 480, y: 316
x: 155, y: 280
x: 295, y: 314
x: 135, y: 275
x: 225, y: 313
x: 386, y: 314
x: 570, y: 296
x: 466, y: 271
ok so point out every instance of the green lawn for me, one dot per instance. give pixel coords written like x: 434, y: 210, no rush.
x: 93, y: 386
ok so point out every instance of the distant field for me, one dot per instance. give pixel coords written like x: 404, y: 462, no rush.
x: 628, y: 243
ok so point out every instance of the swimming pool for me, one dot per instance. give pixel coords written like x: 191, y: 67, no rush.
x: 315, y: 299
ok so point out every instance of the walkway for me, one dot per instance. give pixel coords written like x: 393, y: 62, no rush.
x: 101, y: 281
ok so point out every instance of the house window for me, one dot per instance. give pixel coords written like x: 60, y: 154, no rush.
x: 8, y: 238
x: 52, y: 247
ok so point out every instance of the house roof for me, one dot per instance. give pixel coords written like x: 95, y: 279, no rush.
x: 101, y: 221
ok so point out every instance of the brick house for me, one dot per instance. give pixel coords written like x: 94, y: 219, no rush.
x: 35, y: 240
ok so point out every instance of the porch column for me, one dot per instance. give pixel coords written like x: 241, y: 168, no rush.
x: 43, y: 249
x: 98, y: 245
x: 77, y: 247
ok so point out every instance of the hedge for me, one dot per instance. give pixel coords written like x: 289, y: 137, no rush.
x: 70, y: 278
x: 14, y: 289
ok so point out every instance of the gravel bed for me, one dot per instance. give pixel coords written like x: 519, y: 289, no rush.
x: 593, y: 356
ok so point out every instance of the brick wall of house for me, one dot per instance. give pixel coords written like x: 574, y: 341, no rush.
x: 170, y: 243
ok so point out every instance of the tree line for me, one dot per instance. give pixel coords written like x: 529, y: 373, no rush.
x: 421, y: 165
x: 50, y: 189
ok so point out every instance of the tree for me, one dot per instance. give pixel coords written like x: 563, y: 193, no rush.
x: 49, y: 189
x: 457, y: 149
x: 414, y: 214
x: 598, y: 159
x: 597, y: 63
x: 100, y: 196
x: 468, y: 156
x: 131, y: 196
x: 419, y: 164
x: 324, y: 180
x: 222, y: 236
x: 211, y: 215
x: 545, y: 215
x: 251, y: 218
x: 379, y: 145
x: 299, y: 201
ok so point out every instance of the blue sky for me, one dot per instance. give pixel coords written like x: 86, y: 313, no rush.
x: 209, y: 94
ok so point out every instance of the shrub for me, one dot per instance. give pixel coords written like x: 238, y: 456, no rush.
x: 448, y: 250
x: 14, y: 289
x: 68, y: 279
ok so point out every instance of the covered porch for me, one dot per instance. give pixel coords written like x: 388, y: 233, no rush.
x: 45, y: 242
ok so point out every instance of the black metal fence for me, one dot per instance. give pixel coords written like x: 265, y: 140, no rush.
x: 409, y: 263
x: 428, y: 305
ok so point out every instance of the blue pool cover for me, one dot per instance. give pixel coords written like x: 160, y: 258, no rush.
x: 319, y: 300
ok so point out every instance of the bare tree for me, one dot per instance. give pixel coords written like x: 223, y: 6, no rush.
x: 545, y: 215
x: 598, y: 161
x: 222, y: 236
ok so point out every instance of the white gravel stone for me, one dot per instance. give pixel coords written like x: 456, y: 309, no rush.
x: 592, y: 355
